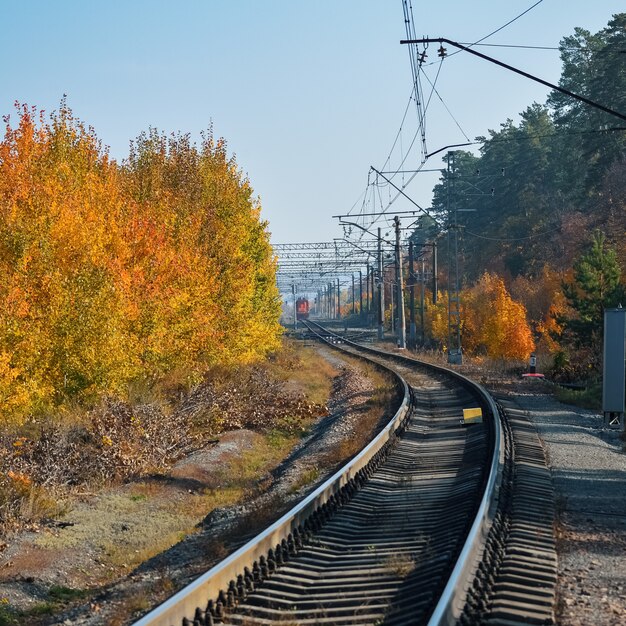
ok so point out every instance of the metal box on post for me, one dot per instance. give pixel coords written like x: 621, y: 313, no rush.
x: 614, y: 364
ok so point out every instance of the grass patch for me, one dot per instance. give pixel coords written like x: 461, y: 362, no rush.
x: 590, y: 398
x: 58, y: 596
x: 304, y: 371
x: 306, y: 478
x: 59, y: 593
x: 8, y: 617
x: 247, y: 471
x: 278, y: 439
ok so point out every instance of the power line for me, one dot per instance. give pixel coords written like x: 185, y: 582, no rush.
x: 395, y: 141
x: 415, y: 71
x: 530, y: 8
x: 547, y: 232
x: 567, y: 92
x: 528, y: 47
x: 497, y: 30
x: 445, y: 105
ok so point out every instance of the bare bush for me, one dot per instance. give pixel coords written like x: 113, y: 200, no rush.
x: 115, y: 441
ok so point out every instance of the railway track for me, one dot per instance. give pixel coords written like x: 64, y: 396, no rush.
x: 411, y: 531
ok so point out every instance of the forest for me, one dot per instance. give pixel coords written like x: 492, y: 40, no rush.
x: 539, y: 213
x: 114, y: 275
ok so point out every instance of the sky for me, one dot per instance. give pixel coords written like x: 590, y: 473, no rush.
x: 308, y: 95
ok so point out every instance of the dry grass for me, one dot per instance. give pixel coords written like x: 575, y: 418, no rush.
x: 78, y: 449
x: 125, y: 525
x: 304, y: 371
x: 400, y: 564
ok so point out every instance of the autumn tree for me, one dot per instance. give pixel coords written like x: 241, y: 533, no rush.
x: 110, y: 274
x: 436, y: 319
x: 545, y: 304
x: 493, y: 323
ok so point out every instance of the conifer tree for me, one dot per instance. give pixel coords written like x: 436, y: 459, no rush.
x: 595, y: 287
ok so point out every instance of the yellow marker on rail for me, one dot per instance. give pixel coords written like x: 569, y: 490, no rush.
x: 473, y: 416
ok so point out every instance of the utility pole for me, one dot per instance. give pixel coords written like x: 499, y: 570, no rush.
x: 367, y: 291
x: 326, y: 300
x: 455, y: 354
x: 338, y: 300
x: 412, y: 334
x: 295, y: 314
x: 361, y: 293
x: 422, y: 302
x: 353, y: 297
x: 435, y: 270
x: 400, y: 287
x: 327, y: 303
x: 381, y: 290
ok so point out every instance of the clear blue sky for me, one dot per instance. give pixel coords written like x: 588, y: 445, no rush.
x: 308, y: 95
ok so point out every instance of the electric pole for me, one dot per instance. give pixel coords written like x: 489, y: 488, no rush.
x: 400, y: 288
x: 361, y: 293
x: 455, y: 354
x: 381, y: 290
x: 412, y: 333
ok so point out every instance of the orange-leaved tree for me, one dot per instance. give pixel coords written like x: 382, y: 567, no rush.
x: 65, y: 331
x: 543, y: 297
x: 494, y: 323
x: 113, y: 273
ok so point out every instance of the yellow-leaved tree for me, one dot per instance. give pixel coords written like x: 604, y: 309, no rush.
x: 111, y: 273
x: 493, y: 323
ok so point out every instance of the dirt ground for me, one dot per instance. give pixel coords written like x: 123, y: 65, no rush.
x: 90, y: 566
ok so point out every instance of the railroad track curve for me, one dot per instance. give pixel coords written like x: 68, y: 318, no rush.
x: 397, y: 536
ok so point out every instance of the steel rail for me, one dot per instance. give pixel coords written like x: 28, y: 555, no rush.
x: 450, y: 604
x: 452, y: 601
x: 184, y: 603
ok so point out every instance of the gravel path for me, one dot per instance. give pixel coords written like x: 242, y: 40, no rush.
x: 588, y: 466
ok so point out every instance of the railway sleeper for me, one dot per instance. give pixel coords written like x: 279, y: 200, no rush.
x: 519, y: 587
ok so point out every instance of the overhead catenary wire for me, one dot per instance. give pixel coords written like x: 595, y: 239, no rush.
x: 512, y: 239
x: 434, y: 90
x: 415, y: 71
x: 497, y: 30
x: 422, y: 107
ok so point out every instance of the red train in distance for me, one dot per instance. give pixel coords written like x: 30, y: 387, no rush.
x: 302, y: 309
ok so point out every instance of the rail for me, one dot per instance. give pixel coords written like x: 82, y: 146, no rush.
x: 451, y: 602
x: 185, y: 602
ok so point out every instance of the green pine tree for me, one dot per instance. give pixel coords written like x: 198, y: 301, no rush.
x: 596, y: 286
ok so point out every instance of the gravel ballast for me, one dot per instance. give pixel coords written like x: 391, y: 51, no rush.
x: 588, y: 467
